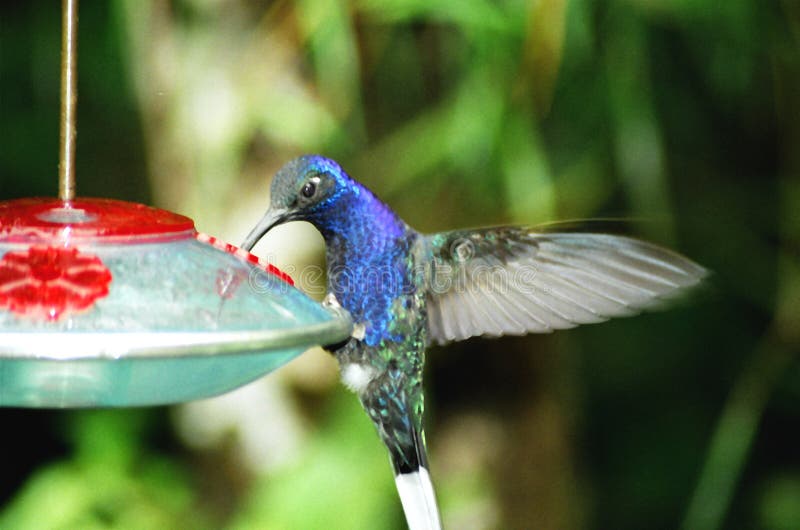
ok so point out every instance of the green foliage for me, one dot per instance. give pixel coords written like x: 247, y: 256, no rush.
x: 344, y: 470
x: 108, y: 483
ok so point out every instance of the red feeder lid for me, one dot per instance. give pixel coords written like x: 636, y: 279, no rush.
x: 24, y: 220
x: 58, y: 273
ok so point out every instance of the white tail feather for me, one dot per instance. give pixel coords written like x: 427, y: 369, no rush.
x: 418, y: 499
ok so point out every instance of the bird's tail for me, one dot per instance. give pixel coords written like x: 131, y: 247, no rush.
x: 396, y: 410
x: 414, y: 485
x: 418, y: 499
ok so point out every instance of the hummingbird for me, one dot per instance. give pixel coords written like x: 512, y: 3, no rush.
x: 406, y: 291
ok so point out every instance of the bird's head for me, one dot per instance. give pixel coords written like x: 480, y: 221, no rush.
x: 305, y: 189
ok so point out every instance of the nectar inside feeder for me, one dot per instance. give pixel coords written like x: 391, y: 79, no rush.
x: 109, y: 303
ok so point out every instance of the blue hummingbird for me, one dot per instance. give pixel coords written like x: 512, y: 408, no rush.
x: 406, y: 290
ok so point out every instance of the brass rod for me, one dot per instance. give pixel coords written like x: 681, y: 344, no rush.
x: 69, y: 99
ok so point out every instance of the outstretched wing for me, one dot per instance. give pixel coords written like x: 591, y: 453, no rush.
x: 513, y: 280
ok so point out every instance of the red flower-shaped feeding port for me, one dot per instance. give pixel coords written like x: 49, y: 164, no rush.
x: 47, y: 282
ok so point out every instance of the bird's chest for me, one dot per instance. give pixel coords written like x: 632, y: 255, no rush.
x: 380, y: 289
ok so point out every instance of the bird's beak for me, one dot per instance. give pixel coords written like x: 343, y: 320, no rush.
x: 273, y: 217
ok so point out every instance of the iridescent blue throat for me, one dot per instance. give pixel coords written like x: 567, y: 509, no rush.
x: 367, y: 249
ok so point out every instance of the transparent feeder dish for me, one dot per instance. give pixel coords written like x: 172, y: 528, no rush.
x: 107, y: 303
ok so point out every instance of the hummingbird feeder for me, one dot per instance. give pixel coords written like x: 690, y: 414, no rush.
x: 111, y: 303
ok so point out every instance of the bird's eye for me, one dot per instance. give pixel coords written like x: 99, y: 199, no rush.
x: 309, y: 189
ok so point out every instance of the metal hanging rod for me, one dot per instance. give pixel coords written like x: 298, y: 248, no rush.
x: 69, y: 99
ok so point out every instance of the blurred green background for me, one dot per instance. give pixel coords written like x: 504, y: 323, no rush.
x: 682, y: 116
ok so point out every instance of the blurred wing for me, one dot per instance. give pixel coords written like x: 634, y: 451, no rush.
x: 513, y: 281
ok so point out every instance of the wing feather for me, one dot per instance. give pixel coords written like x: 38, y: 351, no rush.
x: 514, y: 280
